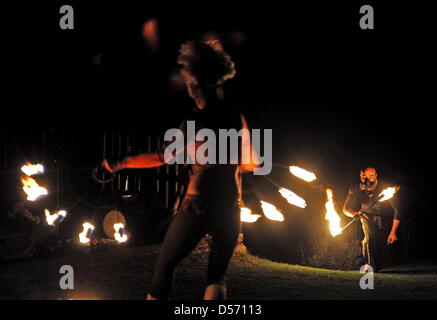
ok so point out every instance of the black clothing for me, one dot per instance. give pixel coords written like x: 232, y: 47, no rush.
x: 374, y: 244
x: 375, y: 220
x: 357, y: 200
x: 198, y: 216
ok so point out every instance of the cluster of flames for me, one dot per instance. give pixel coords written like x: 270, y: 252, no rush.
x: 269, y: 210
x: 334, y: 218
x: 34, y: 191
x: 86, y: 236
x: 272, y: 213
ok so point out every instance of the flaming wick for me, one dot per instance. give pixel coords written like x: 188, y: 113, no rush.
x: 51, y: 219
x: 32, y: 169
x: 86, y: 234
x: 292, y: 198
x: 33, y: 189
x: 247, y: 216
x: 388, y: 193
x: 302, y: 174
x: 271, y: 212
x: 331, y: 215
x: 120, y: 233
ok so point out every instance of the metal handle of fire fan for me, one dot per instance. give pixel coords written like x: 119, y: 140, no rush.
x: 355, y: 218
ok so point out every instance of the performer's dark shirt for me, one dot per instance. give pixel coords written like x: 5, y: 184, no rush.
x: 357, y: 200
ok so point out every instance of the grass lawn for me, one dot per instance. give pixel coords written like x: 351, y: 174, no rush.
x: 125, y: 273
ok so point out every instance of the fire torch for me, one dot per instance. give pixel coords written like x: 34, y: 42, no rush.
x: 386, y: 194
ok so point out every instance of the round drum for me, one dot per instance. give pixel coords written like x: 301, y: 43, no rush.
x: 111, y: 218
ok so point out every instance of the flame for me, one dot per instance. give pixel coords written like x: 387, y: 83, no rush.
x: 83, y: 235
x: 33, y: 189
x: 388, y: 193
x: 331, y: 215
x: 117, y: 235
x: 247, y: 216
x: 51, y: 218
x: 292, y: 198
x: 302, y: 174
x: 32, y: 169
x: 271, y: 212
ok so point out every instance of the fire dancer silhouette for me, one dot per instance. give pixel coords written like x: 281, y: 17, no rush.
x: 211, y: 204
x: 361, y: 202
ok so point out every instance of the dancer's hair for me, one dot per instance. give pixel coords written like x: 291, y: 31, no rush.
x: 205, y: 63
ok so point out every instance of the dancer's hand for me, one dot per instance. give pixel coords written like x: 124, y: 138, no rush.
x: 392, y: 238
x: 358, y: 215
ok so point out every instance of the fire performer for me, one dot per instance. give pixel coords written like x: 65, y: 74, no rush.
x: 361, y: 202
x: 212, y: 199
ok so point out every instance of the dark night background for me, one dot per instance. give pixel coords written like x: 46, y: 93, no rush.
x: 337, y: 97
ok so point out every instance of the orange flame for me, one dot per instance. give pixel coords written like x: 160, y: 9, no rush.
x: 388, y: 193
x: 32, y: 169
x: 331, y: 215
x: 33, y: 189
x: 83, y: 235
x: 302, y: 174
x: 292, y: 198
x: 247, y: 216
x: 271, y: 212
x: 120, y: 238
